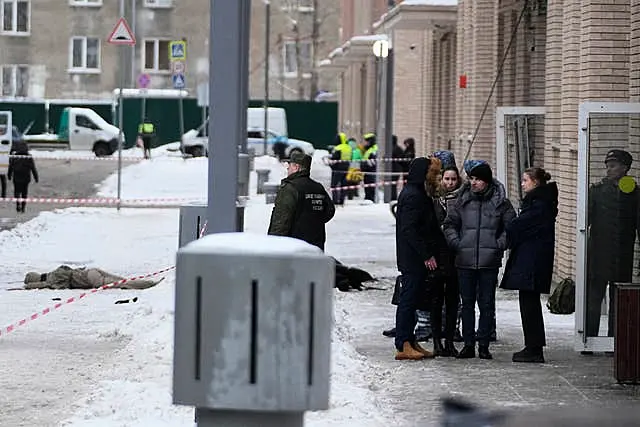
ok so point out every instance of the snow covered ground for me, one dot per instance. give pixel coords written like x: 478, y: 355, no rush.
x: 93, y: 364
x: 129, y: 347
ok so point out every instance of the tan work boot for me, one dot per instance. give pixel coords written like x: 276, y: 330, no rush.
x: 425, y: 353
x: 408, y: 353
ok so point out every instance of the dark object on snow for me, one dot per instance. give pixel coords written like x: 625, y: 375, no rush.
x: 348, y: 278
x: 54, y: 299
x: 127, y: 301
x: 460, y: 413
x: 389, y: 333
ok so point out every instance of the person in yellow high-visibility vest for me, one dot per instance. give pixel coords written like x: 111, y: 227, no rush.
x: 146, y: 132
x: 341, y: 157
x: 370, y: 166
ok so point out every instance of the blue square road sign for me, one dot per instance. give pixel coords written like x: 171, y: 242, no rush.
x: 178, y: 81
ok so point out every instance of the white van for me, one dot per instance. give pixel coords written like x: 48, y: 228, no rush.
x: 277, y: 118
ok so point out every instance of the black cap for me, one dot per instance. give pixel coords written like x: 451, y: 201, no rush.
x: 619, y: 156
x: 301, y: 159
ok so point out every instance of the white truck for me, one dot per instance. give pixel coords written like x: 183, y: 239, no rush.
x: 80, y: 129
x: 196, y: 142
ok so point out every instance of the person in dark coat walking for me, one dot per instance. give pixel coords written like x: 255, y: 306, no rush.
x: 20, y: 170
x: 529, y: 270
x: 302, y: 206
x: 419, y: 241
x: 475, y: 230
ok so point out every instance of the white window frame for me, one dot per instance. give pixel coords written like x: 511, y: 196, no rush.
x: 14, y: 11
x: 158, y: 4
x: 156, y: 55
x: 84, y: 69
x: 85, y: 3
x: 292, y: 74
x: 14, y: 80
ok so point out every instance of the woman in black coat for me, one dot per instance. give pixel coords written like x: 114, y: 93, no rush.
x: 529, y: 269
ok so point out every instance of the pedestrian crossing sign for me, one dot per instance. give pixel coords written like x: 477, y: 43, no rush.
x: 178, y: 81
x: 178, y: 50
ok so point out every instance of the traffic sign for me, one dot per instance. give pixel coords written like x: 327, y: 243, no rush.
x: 178, y: 81
x: 122, y: 34
x: 178, y: 67
x: 178, y: 50
x: 144, y: 80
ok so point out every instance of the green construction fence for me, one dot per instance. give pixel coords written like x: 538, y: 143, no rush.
x: 316, y: 122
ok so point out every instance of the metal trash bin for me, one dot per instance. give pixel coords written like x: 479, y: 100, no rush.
x: 263, y: 177
x: 270, y: 192
x: 253, y: 320
x: 626, y: 364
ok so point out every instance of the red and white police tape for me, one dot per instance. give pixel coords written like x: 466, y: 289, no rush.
x: 8, y: 329
x: 375, y: 184
x: 94, y: 158
x: 102, y: 201
x: 328, y: 161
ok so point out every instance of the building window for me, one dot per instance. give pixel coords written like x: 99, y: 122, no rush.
x: 92, y: 3
x: 85, y: 54
x: 158, y: 3
x: 156, y: 55
x: 16, y: 16
x: 289, y: 58
x: 15, y: 80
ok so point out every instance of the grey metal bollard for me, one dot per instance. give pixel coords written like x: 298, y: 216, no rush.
x: 271, y: 191
x: 252, y: 158
x: 263, y: 177
x: 253, y: 320
x: 192, y: 222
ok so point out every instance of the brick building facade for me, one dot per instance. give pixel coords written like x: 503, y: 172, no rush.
x: 58, y: 48
x: 562, y: 53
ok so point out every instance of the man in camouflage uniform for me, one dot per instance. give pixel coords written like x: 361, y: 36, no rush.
x: 65, y: 277
x: 302, y: 206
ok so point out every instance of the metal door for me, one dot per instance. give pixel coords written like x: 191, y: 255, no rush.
x: 519, y: 145
x: 607, y: 216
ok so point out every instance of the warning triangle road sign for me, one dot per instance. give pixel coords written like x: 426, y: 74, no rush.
x: 122, y: 34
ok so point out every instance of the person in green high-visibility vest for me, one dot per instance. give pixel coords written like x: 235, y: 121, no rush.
x: 146, y: 132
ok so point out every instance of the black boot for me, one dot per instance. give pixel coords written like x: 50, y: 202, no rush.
x: 449, y: 349
x: 438, y: 350
x: 529, y: 355
x: 467, y: 352
x: 390, y: 333
x: 483, y: 352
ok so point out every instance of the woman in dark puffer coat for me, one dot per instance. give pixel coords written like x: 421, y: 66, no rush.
x: 529, y: 269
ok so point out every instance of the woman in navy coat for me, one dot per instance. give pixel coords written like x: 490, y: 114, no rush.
x: 531, y: 237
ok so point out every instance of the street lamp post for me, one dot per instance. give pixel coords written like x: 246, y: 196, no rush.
x: 267, y: 50
x: 383, y: 50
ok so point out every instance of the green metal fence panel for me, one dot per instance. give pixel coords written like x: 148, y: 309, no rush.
x: 23, y: 113
x: 316, y: 122
x: 164, y: 114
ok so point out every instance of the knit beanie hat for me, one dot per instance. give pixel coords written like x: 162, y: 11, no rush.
x: 480, y: 169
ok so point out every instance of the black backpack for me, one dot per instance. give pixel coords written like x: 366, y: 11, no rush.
x: 563, y: 298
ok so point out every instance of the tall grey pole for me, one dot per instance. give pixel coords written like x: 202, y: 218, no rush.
x: 134, y: 19
x: 181, y: 113
x: 267, y: 51
x: 381, y: 115
x: 388, y: 124
x: 228, y: 80
x: 123, y: 57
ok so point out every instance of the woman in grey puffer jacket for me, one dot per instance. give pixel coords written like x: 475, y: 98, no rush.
x: 475, y: 230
